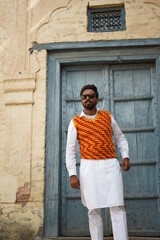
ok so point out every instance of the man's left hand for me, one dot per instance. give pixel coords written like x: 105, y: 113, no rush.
x: 125, y: 164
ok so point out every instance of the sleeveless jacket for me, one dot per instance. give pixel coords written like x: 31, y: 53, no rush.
x: 95, y: 136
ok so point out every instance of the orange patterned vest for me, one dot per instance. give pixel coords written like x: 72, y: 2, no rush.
x: 95, y: 136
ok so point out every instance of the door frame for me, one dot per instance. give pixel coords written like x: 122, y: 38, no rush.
x: 59, y: 55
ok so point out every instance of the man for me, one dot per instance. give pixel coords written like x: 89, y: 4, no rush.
x: 100, y: 174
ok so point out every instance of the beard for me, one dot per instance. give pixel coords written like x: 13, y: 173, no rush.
x: 89, y: 106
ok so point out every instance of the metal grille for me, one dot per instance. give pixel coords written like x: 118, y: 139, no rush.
x: 106, y: 20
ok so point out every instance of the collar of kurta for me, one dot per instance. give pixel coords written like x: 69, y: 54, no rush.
x: 84, y: 115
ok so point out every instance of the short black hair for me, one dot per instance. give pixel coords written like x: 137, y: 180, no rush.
x: 90, y: 86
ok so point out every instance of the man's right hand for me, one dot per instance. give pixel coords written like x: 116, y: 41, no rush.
x: 74, y: 181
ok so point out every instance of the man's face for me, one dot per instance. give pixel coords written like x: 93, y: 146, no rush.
x: 89, y: 100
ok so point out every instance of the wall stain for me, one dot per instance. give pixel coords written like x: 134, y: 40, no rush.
x: 23, y: 194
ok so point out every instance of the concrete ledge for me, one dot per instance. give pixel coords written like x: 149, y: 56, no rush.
x: 97, y: 44
x: 19, y: 84
x: 18, y: 98
x: 19, y: 89
x: 106, y: 238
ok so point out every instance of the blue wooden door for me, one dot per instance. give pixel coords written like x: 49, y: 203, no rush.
x: 74, y: 220
x: 128, y: 91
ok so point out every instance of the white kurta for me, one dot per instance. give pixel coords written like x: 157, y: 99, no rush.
x: 100, y: 180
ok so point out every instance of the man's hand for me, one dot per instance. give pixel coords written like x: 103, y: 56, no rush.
x: 125, y: 164
x: 74, y: 181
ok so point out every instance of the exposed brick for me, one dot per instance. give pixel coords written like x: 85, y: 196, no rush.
x: 23, y: 193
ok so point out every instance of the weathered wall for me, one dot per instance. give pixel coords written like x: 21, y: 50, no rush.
x: 70, y: 23
x: 23, y: 94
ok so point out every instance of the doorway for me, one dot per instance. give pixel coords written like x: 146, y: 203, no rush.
x: 128, y: 92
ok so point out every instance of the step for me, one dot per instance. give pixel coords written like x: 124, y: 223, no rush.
x: 106, y: 238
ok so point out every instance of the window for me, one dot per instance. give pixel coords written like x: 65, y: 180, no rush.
x: 106, y: 19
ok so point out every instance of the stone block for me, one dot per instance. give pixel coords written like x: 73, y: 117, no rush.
x: 8, y: 188
x: 21, y: 222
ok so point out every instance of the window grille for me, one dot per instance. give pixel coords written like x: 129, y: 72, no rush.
x: 106, y: 20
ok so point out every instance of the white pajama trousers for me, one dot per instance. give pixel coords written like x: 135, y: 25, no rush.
x: 118, y: 219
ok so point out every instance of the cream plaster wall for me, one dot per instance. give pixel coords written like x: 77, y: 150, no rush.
x: 23, y: 94
x: 70, y: 23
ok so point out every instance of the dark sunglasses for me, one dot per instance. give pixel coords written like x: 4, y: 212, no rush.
x: 91, y: 96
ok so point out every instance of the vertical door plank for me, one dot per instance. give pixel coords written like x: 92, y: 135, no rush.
x: 133, y: 108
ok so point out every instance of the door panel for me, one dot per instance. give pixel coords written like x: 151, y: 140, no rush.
x: 137, y: 82
x: 133, y: 105
x: 141, y: 112
x: 128, y: 92
x: 74, y: 219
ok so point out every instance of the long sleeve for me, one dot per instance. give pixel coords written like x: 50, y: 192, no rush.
x: 71, y: 149
x: 120, y: 139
